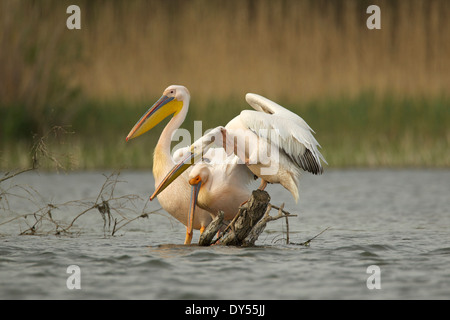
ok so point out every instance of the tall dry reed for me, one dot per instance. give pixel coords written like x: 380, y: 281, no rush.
x: 296, y: 52
x: 292, y: 49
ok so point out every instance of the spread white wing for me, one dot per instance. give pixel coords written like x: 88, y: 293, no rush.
x: 284, y: 129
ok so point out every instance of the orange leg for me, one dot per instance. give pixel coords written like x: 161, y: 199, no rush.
x: 263, y: 184
x: 188, y: 236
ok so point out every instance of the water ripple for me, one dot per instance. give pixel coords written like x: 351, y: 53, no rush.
x: 386, y: 218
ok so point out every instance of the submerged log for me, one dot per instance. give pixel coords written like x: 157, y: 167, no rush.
x: 211, y: 230
x: 247, y: 225
x: 247, y: 217
x: 258, y: 228
x: 261, y: 225
x: 242, y: 224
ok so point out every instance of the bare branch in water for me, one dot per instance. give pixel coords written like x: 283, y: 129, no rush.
x: 40, y: 149
x: 307, y: 242
x: 10, y: 175
x: 113, y: 209
x: 119, y: 210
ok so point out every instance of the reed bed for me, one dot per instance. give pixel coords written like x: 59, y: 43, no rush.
x: 374, y: 97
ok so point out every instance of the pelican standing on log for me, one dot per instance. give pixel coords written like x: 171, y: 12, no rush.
x: 250, y: 137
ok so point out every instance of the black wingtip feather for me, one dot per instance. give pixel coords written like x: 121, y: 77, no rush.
x: 309, y: 163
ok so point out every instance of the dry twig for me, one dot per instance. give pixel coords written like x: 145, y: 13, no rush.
x: 111, y: 207
x: 307, y: 242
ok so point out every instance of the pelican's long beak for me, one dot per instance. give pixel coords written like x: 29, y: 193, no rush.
x: 162, y: 108
x: 175, y: 172
x: 195, y: 154
x: 196, y: 184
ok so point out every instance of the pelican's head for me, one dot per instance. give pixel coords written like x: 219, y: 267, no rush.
x: 199, y: 174
x: 195, y: 155
x: 171, y: 102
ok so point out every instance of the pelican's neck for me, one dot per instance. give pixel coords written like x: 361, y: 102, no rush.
x: 162, y: 158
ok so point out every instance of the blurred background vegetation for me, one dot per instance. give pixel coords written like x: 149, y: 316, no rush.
x: 374, y: 97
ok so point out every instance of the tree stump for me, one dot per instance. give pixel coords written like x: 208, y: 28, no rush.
x: 211, y: 230
x: 242, y: 224
x: 248, y: 224
x: 246, y: 219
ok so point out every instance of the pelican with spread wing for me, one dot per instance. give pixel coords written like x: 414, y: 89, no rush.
x: 272, y: 142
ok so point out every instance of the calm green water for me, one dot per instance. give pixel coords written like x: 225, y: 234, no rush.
x: 398, y: 220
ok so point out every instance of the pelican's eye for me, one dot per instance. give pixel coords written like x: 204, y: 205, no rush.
x: 195, y: 180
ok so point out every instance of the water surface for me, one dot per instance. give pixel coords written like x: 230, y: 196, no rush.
x: 398, y: 220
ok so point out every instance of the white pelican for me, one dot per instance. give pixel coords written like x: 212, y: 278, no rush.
x: 177, y: 200
x: 220, y: 186
x: 251, y: 136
